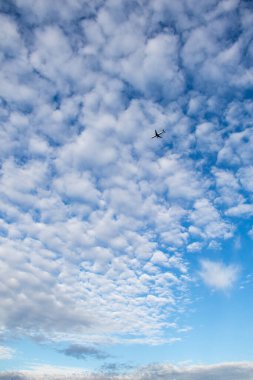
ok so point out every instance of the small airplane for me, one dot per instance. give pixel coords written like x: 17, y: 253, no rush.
x: 158, y: 134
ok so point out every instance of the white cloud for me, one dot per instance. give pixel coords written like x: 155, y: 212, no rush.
x: 232, y: 371
x: 208, y: 138
x: 168, y: 81
x: 250, y: 233
x: 217, y: 275
x: 228, y: 187
x: 201, y: 372
x: 208, y: 220
x: 237, y: 149
x: 241, y: 210
x: 245, y: 176
x: 6, y: 353
x: 195, y: 246
x: 96, y: 217
x: 47, y: 12
x: 199, y: 47
x: 77, y: 187
x: 9, y: 36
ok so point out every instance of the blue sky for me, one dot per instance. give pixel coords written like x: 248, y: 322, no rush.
x: 124, y: 256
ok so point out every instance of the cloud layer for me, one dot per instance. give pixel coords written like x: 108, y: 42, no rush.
x: 97, y: 219
x: 231, y: 371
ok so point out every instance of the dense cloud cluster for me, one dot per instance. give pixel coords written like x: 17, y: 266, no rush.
x: 98, y: 220
x: 231, y: 371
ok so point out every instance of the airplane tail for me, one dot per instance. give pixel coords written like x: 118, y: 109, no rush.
x: 163, y: 130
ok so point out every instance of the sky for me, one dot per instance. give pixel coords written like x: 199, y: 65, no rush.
x: 124, y: 256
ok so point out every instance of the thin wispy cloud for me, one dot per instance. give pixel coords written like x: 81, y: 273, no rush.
x: 6, y: 352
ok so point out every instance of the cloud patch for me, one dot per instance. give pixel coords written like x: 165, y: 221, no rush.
x: 84, y: 352
x: 218, y: 275
x: 6, y: 353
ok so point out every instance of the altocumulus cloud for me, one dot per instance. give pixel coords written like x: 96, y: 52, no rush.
x: 96, y: 218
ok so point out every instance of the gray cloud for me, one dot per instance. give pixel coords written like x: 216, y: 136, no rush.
x: 84, y: 352
x: 212, y: 372
x: 232, y: 371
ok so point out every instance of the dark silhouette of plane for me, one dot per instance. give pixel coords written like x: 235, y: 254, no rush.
x: 158, y: 134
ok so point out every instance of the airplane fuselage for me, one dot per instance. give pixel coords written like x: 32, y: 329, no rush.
x: 158, y: 134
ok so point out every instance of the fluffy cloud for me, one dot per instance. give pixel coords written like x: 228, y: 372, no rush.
x: 208, y: 138
x: 217, y: 275
x: 208, y: 222
x: 96, y: 217
x: 242, y: 210
x: 147, y: 78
